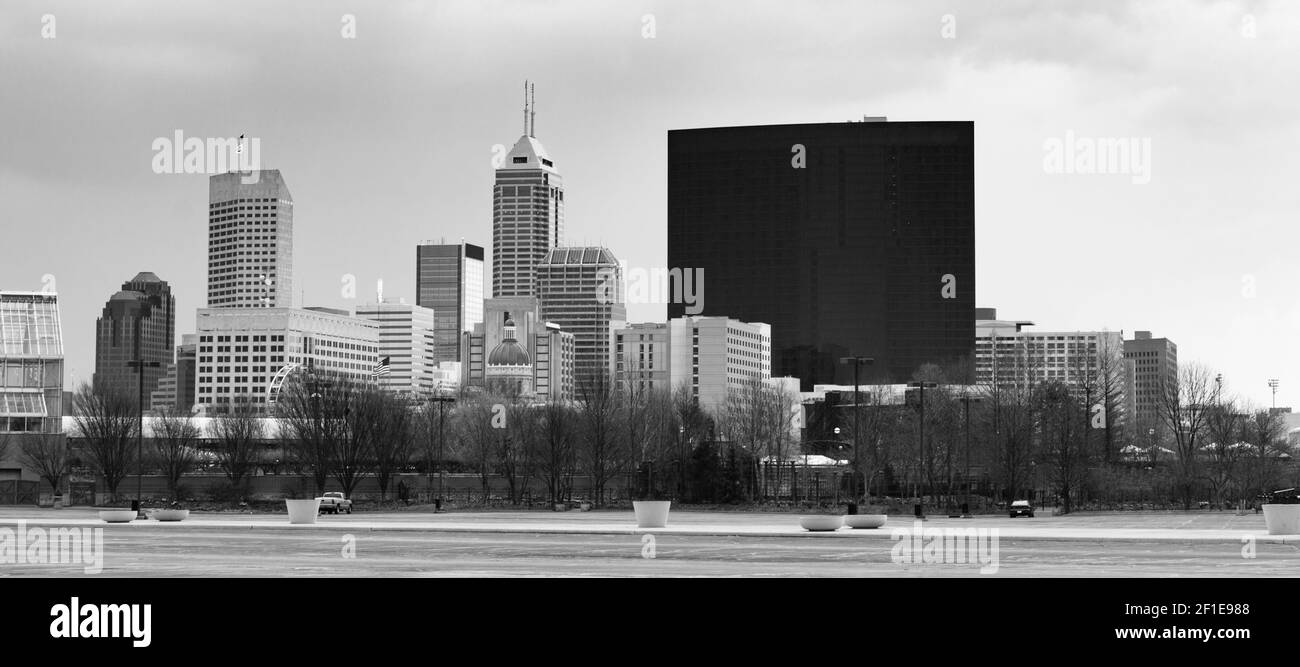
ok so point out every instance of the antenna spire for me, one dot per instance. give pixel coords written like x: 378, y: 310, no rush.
x: 525, y: 107
x: 532, y: 115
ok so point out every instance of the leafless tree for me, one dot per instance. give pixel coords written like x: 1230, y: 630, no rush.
x: 1225, y: 429
x: 308, y: 406
x: 237, y: 433
x: 556, y: 454
x: 1264, y: 431
x: 476, y: 425
x: 47, y: 454
x: 1063, y: 424
x: 106, y: 418
x: 1184, y: 408
x: 175, y: 446
x: 392, y: 433
x: 602, y: 450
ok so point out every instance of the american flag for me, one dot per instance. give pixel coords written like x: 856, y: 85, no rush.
x: 382, y: 368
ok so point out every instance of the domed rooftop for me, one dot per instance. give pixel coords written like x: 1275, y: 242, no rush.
x: 509, y: 353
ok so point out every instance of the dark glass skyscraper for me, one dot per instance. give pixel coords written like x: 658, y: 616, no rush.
x: 848, y: 238
x: 145, y: 302
x: 449, y: 279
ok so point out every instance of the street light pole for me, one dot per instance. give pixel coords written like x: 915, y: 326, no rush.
x: 966, y: 401
x: 857, y: 362
x: 920, y: 506
x: 139, y: 364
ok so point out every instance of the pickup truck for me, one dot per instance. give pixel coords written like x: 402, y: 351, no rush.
x: 334, y: 502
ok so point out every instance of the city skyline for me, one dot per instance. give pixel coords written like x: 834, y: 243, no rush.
x: 1178, y: 255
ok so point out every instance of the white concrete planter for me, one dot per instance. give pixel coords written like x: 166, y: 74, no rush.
x: 821, y: 522
x: 169, y: 515
x: 1282, y: 519
x: 651, y: 513
x: 865, y: 520
x: 585, y: 507
x: 303, y: 511
x: 117, y: 516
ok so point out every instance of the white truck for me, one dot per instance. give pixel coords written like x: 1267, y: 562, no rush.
x: 334, y: 502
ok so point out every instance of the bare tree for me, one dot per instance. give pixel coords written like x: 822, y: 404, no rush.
x: 175, y: 446
x: 1264, y: 431
x: 556, y: 453
x: 1063, y: 424
x: 47, y: 454
x: 1184, y: 407
x: 392, y: 433
x: 306, y: 406
x: 476, y: 425
x: 1225, y: 429
x: 237, y: 432
x: 106, y: 418
x: 601, y: 453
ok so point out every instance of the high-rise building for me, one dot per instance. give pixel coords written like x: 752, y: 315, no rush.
x: 243, y: 352
x: 406, y: 339
x: 31, y: 364
x: 137, y: 323
x: 1008, y: 355
x: 250, y: 241
x: 641, y: 358
x: 449, y: 279
x: 176, y: 389
x: 581, y: 289
x: 715, y: 356
x: 1154, y: 365
x: 850, y: 239
x: 708, y: 356
x: 527, y: 216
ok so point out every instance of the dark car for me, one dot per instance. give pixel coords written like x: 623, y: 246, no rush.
x: 1021, y: 508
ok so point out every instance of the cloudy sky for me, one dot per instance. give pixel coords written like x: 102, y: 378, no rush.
x: 387, y: 139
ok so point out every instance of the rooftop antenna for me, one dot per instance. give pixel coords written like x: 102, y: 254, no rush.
x: 532, y: 114
x: 525, y: 107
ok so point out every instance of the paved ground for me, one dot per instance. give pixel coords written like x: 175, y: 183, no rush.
x: 696, y: 544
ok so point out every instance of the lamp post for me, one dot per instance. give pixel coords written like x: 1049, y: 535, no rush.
x: 1272, y: 384
x: 139, y: 364
x: 442, y: 417
x: 920, y: 504
x: 966, y: 401
x: 858, y: 362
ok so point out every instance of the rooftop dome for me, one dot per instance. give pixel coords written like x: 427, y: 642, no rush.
x: 509, y: 353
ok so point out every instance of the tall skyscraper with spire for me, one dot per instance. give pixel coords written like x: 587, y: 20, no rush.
x: 250, y: 241
x: 527, y: 212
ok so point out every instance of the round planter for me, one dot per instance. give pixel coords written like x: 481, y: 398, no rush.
x: 117, y: 515
x: 561, y: 507
x: 585, y: 507
x: 651, y: 513
x: 865, y: 520
x: 1282, y: 519
x: 169, y: 515
x: 303, y: 511
x: 821, y: 522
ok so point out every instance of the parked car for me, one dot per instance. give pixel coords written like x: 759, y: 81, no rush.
x: 334, y: 502
x: 1021, y: 508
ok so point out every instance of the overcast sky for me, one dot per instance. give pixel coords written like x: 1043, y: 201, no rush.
x: 387, y: 139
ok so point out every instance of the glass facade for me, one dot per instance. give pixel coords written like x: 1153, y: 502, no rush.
x: 449, y: 279
x: 866, y: 247
x: 31, y: 363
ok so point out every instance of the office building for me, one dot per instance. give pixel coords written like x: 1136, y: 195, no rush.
x: 449, y: 279
x: 710, y: 357
x: 31, y: 357
x: 1008, y: 355
x: 407, y: 340
x: 714, y: 356
x: 137, y: 323
x: 850, y: 239
x: 527, y: 215
x: 176, y: 389
x: 1154, y: 366
x: 243, y: 351
x: 250, y: 241
x: 581, y: 289
x: 550, y: 349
